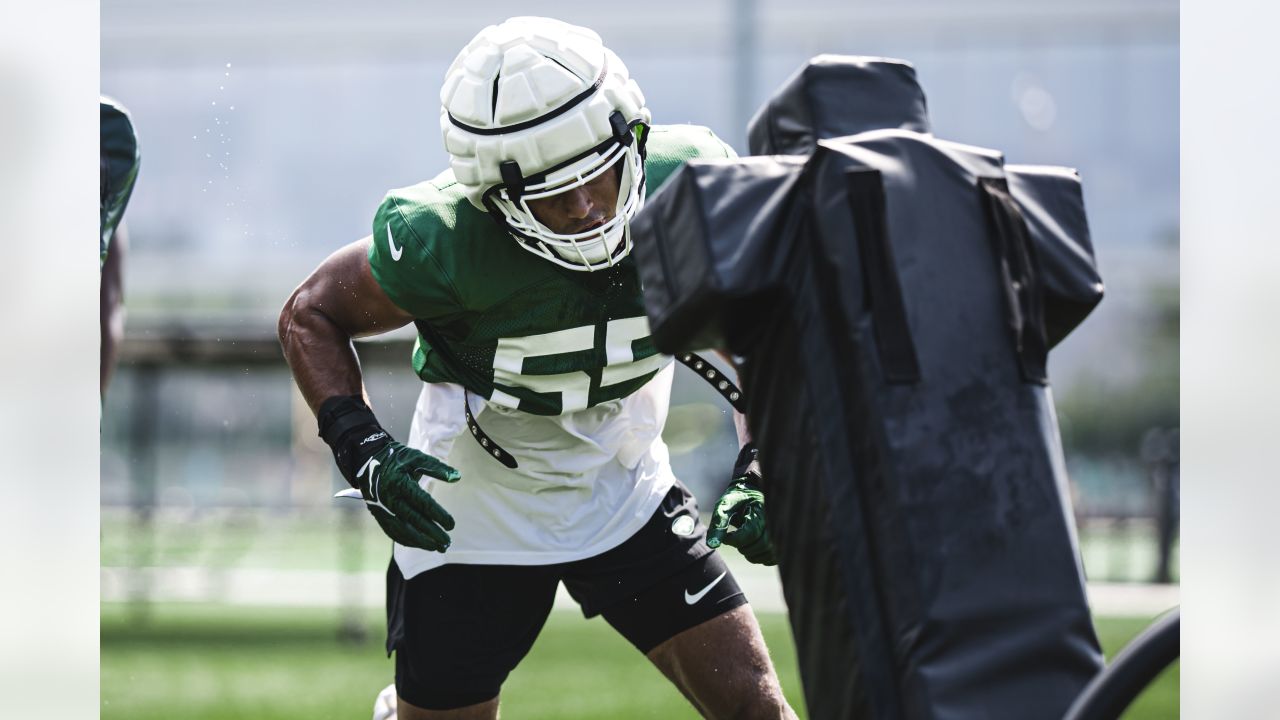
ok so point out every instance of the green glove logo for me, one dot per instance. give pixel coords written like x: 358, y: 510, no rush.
x: 371, y: 465
x: 738, y: 520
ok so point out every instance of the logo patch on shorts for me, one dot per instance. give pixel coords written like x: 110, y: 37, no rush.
x: 683, y: 525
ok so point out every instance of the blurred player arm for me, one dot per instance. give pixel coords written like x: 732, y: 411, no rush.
x: 339, y: 301
x: 111, y: 304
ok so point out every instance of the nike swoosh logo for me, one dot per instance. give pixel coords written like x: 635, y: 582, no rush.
x: 693, y: 599
x: 396, y: 252
x: 371, y: 466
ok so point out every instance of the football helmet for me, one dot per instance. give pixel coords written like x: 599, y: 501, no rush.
x: 534, y: 107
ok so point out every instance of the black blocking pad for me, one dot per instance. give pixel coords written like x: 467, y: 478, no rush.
x: 715, y: 230
x: 834, y: 96
x: 1052, y: 203
x: 889, y: 294
x: 837, y: 95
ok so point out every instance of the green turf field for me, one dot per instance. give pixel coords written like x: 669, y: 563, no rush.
x: 217, y: 662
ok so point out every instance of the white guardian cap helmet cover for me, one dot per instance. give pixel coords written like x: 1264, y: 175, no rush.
x: 534, y: 107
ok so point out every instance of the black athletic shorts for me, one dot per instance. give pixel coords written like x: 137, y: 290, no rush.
x: 459, y: 630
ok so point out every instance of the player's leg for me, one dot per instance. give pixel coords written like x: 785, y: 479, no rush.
x: 675, y: 600
x: 384, y: 707
x: 457, y: 632
x: 388, y: 706
x: 483, y: 711
x: 723, y: 667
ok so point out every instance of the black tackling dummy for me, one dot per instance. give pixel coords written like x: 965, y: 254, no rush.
x: 893, y: 297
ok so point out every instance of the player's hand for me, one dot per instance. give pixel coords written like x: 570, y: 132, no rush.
x: 386, y: 473
x: 388, y: 481
x: 738, y: 518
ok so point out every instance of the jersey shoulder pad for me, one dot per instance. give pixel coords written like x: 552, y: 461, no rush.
x: 668, y: 146
x: 409, y: 255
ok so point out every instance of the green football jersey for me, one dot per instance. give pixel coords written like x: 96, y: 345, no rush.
x: 506, y: 324
x: 117, y: 166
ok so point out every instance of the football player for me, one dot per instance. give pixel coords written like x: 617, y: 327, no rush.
x: 535, y: 454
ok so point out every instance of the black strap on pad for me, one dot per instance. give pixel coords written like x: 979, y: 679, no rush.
x: 485, y: 441
x: 1020, y: 276
x: 882, y: 292
x: 716, y: 379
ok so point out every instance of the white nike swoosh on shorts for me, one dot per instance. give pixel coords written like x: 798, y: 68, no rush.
x: 693, y: 599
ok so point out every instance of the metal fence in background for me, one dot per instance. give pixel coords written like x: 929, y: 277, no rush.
x: 211, y: 465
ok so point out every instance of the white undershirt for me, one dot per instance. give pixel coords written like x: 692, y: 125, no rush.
x: 586, y: 481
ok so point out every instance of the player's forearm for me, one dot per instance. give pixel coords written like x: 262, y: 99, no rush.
x: 739, y: 420
x: 740, y: 425
x: 318, y: 350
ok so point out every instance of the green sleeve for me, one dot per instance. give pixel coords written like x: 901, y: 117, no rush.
x: 714, y: 147
x: 118, y: 160
x: 404, y: 265
x: 669, y: 146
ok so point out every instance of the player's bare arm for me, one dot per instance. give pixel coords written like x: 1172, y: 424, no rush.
x: 111, y: 305
x: 739, y: 420
x: 339, y: 301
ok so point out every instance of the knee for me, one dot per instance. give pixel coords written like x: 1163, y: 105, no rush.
x: 758, y: 698
x: 767, y: 707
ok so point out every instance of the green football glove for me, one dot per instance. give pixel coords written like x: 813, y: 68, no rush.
x: 738, y: 518
x: 386, y: 473
x: 388, y: 481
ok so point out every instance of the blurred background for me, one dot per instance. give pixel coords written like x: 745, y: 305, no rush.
x: 269, y: 133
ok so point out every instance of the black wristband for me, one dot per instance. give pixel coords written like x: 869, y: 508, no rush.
x: 350, y: 429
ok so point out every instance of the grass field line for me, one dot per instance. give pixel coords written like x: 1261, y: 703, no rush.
x: 364, y: 589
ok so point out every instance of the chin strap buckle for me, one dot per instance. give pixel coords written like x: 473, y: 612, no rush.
x: 512, y: 179
x: 621, y: 131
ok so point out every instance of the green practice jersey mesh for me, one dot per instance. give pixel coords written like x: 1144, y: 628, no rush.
x: 506, y: 324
